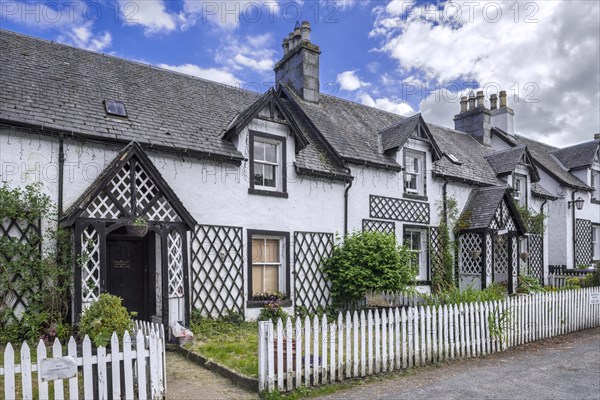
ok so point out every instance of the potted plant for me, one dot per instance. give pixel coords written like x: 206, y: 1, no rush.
x: 138, y: 227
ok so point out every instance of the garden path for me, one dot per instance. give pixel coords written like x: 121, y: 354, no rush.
x: 187, y: 380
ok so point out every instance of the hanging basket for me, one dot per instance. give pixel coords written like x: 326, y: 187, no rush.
x: 137, y: 230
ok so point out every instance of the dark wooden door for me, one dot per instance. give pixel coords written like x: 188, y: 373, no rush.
x: 128, y: 272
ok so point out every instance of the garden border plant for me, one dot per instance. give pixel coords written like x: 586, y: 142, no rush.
x: 43, y: 264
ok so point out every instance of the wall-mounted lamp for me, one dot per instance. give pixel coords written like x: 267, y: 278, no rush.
x: 578, y: 203
x: 475, y: 254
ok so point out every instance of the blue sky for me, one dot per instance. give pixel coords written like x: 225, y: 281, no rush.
x: 401, y: 56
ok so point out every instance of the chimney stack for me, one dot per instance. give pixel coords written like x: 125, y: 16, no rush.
x: 597, y: 136
x: 503, y: 117
x: 494, y: 102
x: 299, y: 65
x: 474, y: 119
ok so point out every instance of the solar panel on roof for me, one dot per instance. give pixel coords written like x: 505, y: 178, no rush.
x: 115, y: 107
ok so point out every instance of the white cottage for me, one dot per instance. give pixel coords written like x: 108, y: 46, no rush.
x: 244, y: 193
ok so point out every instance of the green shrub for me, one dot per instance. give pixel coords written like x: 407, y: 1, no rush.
x: 496, y: 291
x: 573, y: 282
x: 591, y: 280
x: 529, y: 284
x: 368, y: 262
x: 272, y: 311
x: 103, y: 317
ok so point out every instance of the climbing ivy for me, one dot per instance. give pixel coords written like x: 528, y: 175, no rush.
x: 38, y: 269
x: 534, y: 222
x: 443, y: 266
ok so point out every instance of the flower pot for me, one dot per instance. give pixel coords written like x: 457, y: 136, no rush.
x: 137, y: 230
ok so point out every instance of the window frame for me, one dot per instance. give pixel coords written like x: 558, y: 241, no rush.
x: 522, y: 202
x: 280, y: 189
x: 595, y: 242
x: 421, y: 192
x: 284, y: 261
x: 425, y: 261
x: 595, y: 184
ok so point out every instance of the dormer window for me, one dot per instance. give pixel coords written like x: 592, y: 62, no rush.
x: 267, y: 164
x: 520, y: 189
x: 115, y: 107
x: 414, y: 173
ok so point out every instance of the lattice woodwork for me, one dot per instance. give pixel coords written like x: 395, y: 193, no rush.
x: 515, y: 261
x: 536, y: 256
x: 90, y: 269
x: 583, y: 243
x: 24, y: 232
x: 503, y: 219
x: 501, y: 260
x: 469, y: 262
x: 489, y: 246
x: 175, y: 262
x: 217, y: 270
x: 312, y: 287
x: 399, y: 209
x: 151, y: 204
x: 436, y: 256
x: 372, y: 225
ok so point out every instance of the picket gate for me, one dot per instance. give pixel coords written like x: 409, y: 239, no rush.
x: 140, y: 370
x: 357, y: 345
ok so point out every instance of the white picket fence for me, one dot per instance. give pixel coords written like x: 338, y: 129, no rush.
x: 317, y: 352
x: 139, y: 373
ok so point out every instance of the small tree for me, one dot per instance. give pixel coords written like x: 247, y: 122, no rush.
x: 368, y: 262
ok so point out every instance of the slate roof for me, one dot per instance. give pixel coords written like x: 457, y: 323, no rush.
x: 538, y: 190
x: 398, y: 133
x: 506, y: 161
x: 578, y: 156
x: 482, y: 205
x: 543, y: 160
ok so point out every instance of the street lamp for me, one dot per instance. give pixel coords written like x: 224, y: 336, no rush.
x: 578, y: 203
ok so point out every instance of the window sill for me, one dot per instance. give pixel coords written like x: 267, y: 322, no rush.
x: 412, y: 196
x: 262, y: 303
x: 262, y: 192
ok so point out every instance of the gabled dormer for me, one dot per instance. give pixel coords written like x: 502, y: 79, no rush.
x: 393, y: 137
x: 515, y: 165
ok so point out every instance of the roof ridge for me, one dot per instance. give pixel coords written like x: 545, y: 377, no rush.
x: 518, y: 147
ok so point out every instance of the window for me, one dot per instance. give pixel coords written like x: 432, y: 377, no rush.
x: 520, y: 189
x: 114, y: 107
x: 267, y: 167
x: 416, y: 240
x: 414, y: 173
x: 268, y: 266
x: 595, y: 185
x: 596, y: 242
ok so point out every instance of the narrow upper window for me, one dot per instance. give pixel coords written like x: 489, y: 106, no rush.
x: 596, y: 185
x: 115, y: 107
x: 414, y: 173
x: 267, y: 165
x: 520, y: 190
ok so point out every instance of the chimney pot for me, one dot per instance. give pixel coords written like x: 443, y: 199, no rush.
x: 285, y: 46
x: 597, y: 136
x: 471, y: 101
x: 503, y: 99
x: 305, y: 31
x: 494, y: 101
x: 480, y: 98
x: 463, y: 104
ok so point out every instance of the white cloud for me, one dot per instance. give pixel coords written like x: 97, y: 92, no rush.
x: 152, y: 15
x: 213, y: 74
x: 228, y: 14
x: 341, y: 5
x: 249, y: 52
x: 83, y: 37
x: 549, y: 68
x: 348, y: 80
x: 386, y: 104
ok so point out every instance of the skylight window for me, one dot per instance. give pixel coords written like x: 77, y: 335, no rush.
x: 453, y: 158
x: 115, y: 107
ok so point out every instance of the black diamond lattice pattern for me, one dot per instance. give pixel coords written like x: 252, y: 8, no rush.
x: 470, y: 254
x: 399, y: 209
x: 312, y: 287
x: 436, y: 255
x: 217, y: 270
x: 25, y: 232
x: 372, y: 225
x: 501, y: 254
x: 583, y: 244
x: 536, y: 256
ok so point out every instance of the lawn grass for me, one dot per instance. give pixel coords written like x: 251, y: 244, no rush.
x: 231, y: 344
